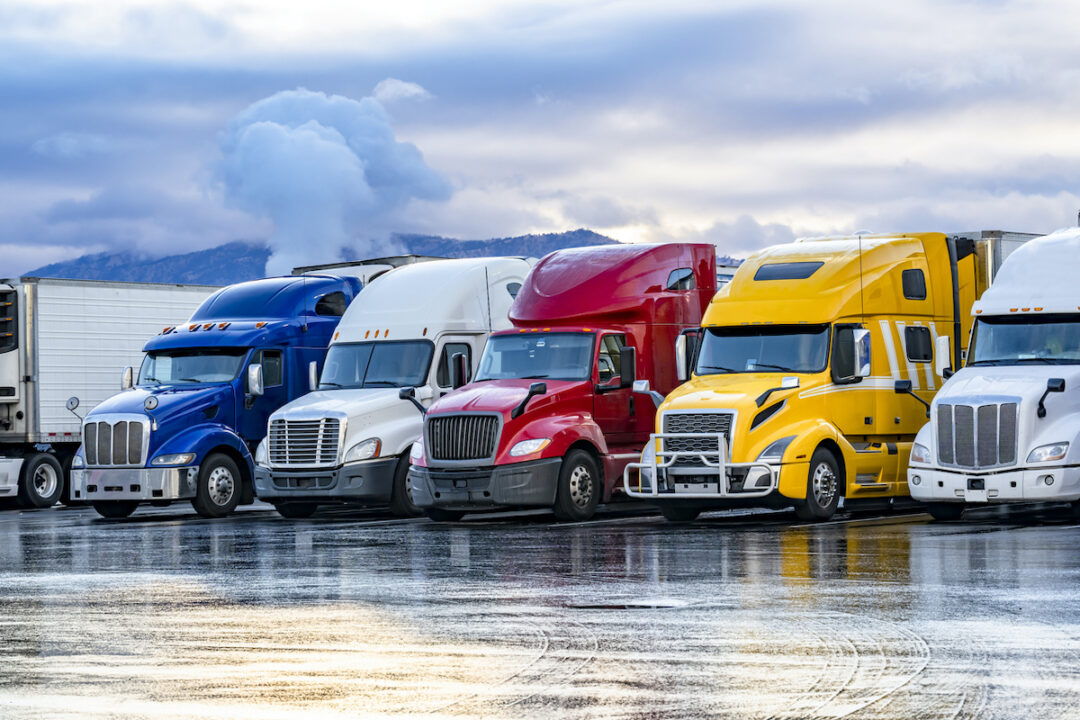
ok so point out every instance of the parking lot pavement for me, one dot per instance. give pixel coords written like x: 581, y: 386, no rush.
x: 356, y: 614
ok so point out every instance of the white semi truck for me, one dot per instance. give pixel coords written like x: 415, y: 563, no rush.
x: 63, y: 347
x: 414, y: 334
x: 1006, y: 427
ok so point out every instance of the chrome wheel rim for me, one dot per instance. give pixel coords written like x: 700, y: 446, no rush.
x: 581, y: 488
x: 46, y: 480
x: 824, y: 485
x: 220, y: 486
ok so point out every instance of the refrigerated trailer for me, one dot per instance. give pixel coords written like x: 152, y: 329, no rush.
x: 63, y: 347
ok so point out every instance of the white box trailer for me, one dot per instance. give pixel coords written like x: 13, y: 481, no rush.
x: 66, y: 339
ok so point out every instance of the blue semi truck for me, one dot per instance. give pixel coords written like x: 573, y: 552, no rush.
x: 186, y: 427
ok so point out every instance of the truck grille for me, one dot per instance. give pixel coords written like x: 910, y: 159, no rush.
x: 977, y: 436
x: 695, y: 423
x: 462, y: 437
x: 304, y: 443
x: 116, y: 443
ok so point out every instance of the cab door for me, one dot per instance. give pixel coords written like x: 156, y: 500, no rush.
x: 613, y: 407
x: 255, y: 410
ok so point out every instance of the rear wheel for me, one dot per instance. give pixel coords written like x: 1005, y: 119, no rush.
x: 401, y: 502
x: 679, y: 513
x: 945, y: 511
x: 296, y: 510
x: 578, y: 492
x: 41, y: 481
x: 822, y: 487
x: 218, y: 491
x: 115, y: 510
x: 441, y: 515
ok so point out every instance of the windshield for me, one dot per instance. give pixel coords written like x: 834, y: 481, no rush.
x: 770, y: 348
x: 558, y: 356
x: 1044, y: 340
x: 376, y: 364
x: 199, y: 365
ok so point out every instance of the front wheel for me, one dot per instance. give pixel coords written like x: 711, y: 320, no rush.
x: 401, y: 502
x: 822, y: 488
x: 115, y: 510
x: 440, y: 515
x: 578, y: 492
x: 296, y: 510
x: 41, y: 481
x: 945, y: 511
x: 218, y: 492
x: 679, y: 513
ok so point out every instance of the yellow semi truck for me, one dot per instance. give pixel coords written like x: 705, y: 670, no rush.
x: 813, y: 371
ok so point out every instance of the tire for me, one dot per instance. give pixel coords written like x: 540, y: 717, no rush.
x: 41, y: 481
x: 219, y: 488
x: 296, y: 510
x: 822, y: 488
x: 65, y: 494
x: 401, y: 502
x: 441, y: 515
x: 115, y: 510
x: 578, y: 492
x: 1074, y: 509
x: 679, y: 513
x: 945, y: 511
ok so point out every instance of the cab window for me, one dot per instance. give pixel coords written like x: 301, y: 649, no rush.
x: 271, y: 365
x: 442, y: 375
x: 607, y: 361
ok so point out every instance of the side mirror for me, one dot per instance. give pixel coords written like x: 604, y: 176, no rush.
x: 255, y: 380
x: 313, y: 375
x: 409, y: 393
x: 943, y: 357
x: 642, y: 386
x: 459, y: 370
x: 861, y: 338
x: 903, y: 387
x: 681, y: 369
x: 1053, y: 385
x: 127, y: 378
x: 627, y: 367
x: 537, y: 388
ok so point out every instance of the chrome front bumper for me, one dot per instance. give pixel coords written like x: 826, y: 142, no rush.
x: 660, y: 479
x: 140, y: 484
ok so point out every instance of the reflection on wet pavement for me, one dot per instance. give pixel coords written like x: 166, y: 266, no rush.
x: 168, y: 616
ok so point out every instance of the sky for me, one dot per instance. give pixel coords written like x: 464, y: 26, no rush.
x: 166, y: 127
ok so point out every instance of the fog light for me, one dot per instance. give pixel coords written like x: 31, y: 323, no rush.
x: 915, y: 479
x: 1047, y: 480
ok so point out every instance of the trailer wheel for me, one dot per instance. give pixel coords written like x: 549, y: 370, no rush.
x: 218, y: 491
x: 441, y: 515
x: 296, y: 510
x: 115, y: 510
x: 822, y: 487
x: 401, y: 502
x: 578, y: 492
x: 679, y: 513
x: 41, y: 481
x: 945, y: 511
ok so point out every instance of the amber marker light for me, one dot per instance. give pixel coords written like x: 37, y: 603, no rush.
x: 222, y: 326
x: 261, y: 324
x: 192, y: 328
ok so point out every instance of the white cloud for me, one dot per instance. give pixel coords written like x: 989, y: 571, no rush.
x: 73, y: 145
x: 392, y: 90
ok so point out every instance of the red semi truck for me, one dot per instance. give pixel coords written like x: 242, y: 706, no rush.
x: 554, y: 414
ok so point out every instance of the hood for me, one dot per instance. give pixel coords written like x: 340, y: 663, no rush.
x: 1026, y: 382
x: 173, y: 400
x: 339, y: 403
x: 738, y: 391
x: 503, y: 395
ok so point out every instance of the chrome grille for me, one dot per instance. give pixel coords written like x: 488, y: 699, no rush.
x: 977, y: 436
x: 304, y: 443
x: 111, y: 443
x: 462, y: 437
x: 695, y: 423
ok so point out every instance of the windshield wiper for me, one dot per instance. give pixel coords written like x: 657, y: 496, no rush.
x: 533, y: 377
x: 190, y: 380
x: 331, y: 384
x: 151, y: 379
x: 717, y: 367
x: 379, y: 383
x: 774, y: 367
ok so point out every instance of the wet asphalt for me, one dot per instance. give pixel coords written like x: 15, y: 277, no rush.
x: 356, y: 615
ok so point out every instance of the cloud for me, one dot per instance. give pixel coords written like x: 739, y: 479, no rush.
x: 393, y: 90
x: 743, y: 235
x: 326, y: 170
x: 73, y: 145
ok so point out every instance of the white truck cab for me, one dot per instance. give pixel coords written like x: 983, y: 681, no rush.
x: 1006, y: 428
x: 393, y: 354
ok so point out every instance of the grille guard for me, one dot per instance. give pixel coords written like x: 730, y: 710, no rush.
x: 716, y: 463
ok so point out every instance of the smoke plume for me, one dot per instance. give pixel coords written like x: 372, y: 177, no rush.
x: 326, y: 170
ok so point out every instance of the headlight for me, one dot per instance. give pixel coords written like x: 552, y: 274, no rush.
x: 775, y: 452
x: 78, y: 462
x: 1046, y: 453
x: 919, y: 453
x: 262, y: 457
x: 174, y: 459
x: 364, y: 450
x: 416, y: 452
x: 528, y: 447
